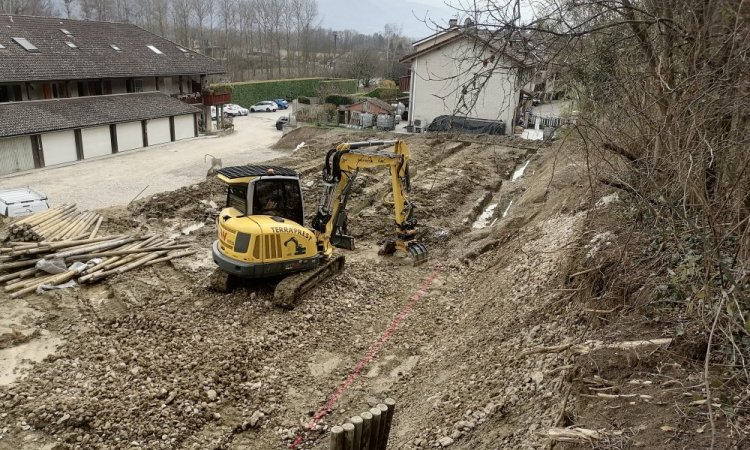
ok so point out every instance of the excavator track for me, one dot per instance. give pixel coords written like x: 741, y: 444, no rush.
x: 291, y: 289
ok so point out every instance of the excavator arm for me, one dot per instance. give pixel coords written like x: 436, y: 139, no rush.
x: 339, y: 173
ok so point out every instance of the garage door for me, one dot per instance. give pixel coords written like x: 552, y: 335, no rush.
x: 129, y: 136
x: 15, y: 155
x: 158, y: 131
x: 184, y: 127
x: 96, y: 141
x: 59, y: 147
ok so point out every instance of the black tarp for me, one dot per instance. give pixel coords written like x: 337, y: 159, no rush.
x: 467, y: 125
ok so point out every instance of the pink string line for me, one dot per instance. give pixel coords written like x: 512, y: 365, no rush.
x: 369, y: 356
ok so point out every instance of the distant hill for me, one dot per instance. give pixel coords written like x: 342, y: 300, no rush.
x: 369, y: 16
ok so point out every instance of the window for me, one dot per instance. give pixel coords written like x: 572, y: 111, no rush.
x: 155, y: 50
x: 2, y: 46
x: 278, y: 198
x: 237, y: 198
x: 181, y: 49
x: 134, y: 85
x: 10, y: 93
x: 66, y: 32
x: 70, y: 44
x: 115, y: 48
x: 28, y: 46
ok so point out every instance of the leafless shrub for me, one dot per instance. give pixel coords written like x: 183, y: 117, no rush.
x: 663, y: 89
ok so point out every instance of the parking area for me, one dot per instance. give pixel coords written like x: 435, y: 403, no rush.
x: 114, y: 180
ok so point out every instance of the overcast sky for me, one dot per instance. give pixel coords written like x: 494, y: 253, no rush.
x: 416, y: 18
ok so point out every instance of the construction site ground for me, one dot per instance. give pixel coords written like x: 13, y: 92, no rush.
x: 480, y: 346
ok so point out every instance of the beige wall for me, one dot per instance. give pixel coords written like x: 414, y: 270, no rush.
x: 158, y: 131
x: 96, y: 141
x: 59, y: 147
x: 437, y: 80
x: 184, y: 127
x: 129, y: 136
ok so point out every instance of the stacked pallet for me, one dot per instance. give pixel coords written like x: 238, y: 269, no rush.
x: 56, y: 224
x: 27, y: 264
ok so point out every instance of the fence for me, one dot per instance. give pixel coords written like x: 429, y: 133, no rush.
x: 548, y: 122
x: 367, y: 431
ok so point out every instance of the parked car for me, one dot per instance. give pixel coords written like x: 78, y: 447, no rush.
x: 233, y: 110
x: 267, y: 106
x: 22, y: 202
x: 281, y: 103
x: 281, y: 121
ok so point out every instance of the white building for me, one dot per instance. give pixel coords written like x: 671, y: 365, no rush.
x: 464, y: 72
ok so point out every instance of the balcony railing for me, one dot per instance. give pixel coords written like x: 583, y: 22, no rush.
x: 191, y: 99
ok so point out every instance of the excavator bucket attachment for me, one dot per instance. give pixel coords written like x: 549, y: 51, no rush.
x: 417, y: 252
x: 291, y: 289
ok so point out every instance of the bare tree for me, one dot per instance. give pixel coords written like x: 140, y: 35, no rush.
x: 181, y: 12
x: 361, y: 64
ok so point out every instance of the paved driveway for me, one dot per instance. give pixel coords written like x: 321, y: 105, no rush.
x: 115, y: 180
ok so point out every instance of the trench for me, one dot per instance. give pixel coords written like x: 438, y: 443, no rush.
x: 489, y: 216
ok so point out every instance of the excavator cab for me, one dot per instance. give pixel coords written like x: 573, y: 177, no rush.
x: 264, y: 190
x: 277, y: 197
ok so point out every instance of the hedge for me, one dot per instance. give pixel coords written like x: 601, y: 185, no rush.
x: 386, y: 94
x: 339, y: 100
x: 248, y: 93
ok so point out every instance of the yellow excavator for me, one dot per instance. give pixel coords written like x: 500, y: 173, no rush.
x: 261, y: 232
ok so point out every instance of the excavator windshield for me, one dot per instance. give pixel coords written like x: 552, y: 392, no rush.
x: 278, y: 197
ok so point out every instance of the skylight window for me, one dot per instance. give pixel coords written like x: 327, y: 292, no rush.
x: 2, y: 46
x: 23, y: 42
x: 155, y: 50
x: 181, y: 49
x: 70, y: 44
x: 66, y: 32
x: 114, y: 47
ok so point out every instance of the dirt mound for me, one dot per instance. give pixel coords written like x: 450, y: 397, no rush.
x: 197, y: 202
x: 292, y: 139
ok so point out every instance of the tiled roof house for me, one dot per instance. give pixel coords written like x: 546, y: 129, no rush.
x: 76, y: 89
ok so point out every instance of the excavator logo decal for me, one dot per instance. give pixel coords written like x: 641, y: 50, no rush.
x: 298, y: 249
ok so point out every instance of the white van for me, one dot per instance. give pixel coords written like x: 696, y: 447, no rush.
x: 22, y: 202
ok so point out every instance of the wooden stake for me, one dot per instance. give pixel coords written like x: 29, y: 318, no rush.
x: 91, y: 248
x: 337, y: 438
x: 102, y: 265
x: 22, y: 274
x: 170, y: 257
x: 391, y: 404
x: 126, y: 252
x: 375, y: 429
x: 96, y: 227
x: 357, y: 422
x: 366, y: 430
x: 381, y: 429
x: 58, y: 279
x: 24, y: 283
x: 17, y: 264
x: 348, y: 436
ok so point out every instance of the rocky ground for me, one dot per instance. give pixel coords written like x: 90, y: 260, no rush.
x: 486, y: 358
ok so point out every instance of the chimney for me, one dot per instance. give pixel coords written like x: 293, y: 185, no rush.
x: 452, y: 23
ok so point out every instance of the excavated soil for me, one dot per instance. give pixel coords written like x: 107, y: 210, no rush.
x: 155, y: 359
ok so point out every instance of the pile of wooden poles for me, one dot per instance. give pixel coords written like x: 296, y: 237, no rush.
x: 56, y: 224
x: 21, y: 261
x: 367, y: 431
